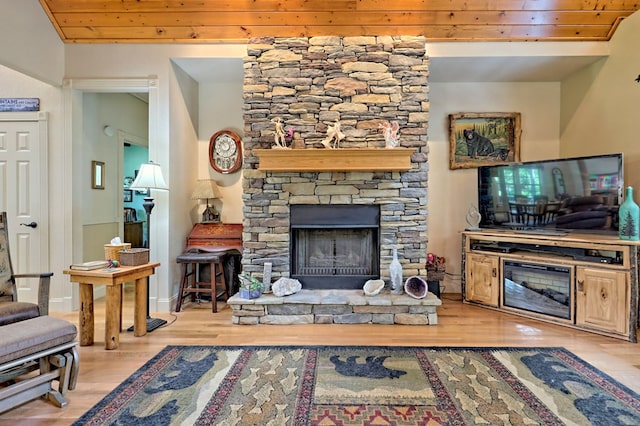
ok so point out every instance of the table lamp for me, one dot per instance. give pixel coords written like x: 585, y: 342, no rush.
x: 206, y: 190
x: 149, y: 177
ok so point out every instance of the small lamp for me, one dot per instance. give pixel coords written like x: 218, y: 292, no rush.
x: 205, y: 190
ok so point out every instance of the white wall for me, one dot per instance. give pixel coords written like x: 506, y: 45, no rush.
x: 452, y: 192
x: 29, y: 43
x: 601, y: 104
x: 184, y: 164
x: 221, y: 109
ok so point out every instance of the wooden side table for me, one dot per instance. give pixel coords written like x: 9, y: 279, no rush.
x: 113, y: 280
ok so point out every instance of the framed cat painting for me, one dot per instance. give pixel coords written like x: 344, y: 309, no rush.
x: 483, y: 138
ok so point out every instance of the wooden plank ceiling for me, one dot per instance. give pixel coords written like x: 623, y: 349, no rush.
x: 206, y: 21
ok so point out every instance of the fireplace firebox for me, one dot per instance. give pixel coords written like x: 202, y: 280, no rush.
x: 541, y: 288
x: 334, y: 246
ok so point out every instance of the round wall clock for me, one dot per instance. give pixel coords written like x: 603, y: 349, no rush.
x: 225, y: 151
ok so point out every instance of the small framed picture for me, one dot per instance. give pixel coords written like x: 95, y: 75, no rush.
x: 483, y: 138
x: 128, y: 196
x: 97, y: 175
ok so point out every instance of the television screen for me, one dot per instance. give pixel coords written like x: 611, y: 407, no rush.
x: 565, y: 194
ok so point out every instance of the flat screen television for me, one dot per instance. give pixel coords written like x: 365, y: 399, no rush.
x: 568, y: 194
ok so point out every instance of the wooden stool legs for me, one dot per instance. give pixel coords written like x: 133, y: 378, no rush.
x: 217, y: 277
x: 189, y: 284
x: 184, y: 283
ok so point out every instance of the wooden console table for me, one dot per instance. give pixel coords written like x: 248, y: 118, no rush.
x: 113, y: 280
x: 600, y: 273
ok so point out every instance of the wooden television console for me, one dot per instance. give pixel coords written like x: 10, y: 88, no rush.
x: 599, y: 272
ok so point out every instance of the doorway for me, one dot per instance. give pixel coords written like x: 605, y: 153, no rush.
x: 103, y: 113
x: 75, y: 125
x: 135, y: 151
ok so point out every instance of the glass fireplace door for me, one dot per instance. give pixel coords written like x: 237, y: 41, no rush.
x: 334, y: 252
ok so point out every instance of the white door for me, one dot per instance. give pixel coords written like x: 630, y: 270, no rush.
x: 23, y: 194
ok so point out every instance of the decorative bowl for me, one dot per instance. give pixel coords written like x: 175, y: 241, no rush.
x: 416, y: 287
x: 373, y: 287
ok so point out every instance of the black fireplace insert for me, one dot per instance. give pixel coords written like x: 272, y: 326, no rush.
x: 335, y: 246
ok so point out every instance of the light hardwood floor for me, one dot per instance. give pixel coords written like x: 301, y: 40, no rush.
x: 459, y: 325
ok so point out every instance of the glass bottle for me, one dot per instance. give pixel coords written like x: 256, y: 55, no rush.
x: 395, y: 273
x: 628, y: 217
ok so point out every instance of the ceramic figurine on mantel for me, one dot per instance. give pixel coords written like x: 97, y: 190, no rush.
x: 334, y: 136
x: 628, y: 218
x: 395, y: 274
x: 390, y: 131
x: 279, y: 136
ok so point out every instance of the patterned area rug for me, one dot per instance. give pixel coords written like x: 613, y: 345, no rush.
x: 344, y: 385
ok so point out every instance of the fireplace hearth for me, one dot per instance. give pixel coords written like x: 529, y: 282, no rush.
x: 335, y: 246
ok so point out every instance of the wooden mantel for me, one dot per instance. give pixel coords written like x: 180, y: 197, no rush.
x: 333, y: 160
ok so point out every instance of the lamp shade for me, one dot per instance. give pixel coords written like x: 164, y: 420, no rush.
x: 149, y: 177
x: 205, y: 189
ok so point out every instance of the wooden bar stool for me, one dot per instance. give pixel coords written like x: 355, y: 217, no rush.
x: 190, y: 284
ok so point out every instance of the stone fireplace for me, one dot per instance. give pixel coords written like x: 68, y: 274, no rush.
x: 310, y: 83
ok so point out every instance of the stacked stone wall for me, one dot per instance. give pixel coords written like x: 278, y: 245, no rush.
x: 310, y: 83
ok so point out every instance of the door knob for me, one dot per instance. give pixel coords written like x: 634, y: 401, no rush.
x: 30, y: 225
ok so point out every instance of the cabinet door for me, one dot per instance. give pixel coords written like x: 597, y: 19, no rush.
x: 482, y: 283
x: 602, y: 299
x: 133, y: 233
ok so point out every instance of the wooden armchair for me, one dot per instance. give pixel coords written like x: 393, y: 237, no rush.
x: 11, y: 309
x: 35, y: 349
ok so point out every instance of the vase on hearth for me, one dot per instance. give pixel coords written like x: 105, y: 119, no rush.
x: 395, y: 274
x: 628, y: 217
x: 266, y: 277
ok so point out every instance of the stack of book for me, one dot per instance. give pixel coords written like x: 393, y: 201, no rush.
x: 88, y: 266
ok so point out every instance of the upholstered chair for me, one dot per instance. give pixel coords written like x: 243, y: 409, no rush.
x: 11, y: 309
